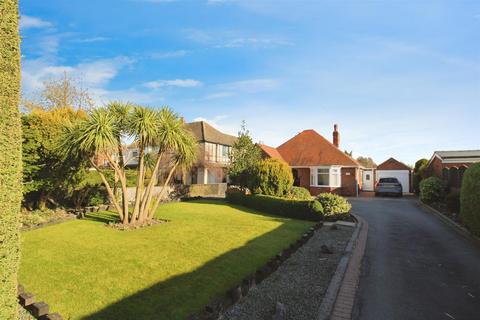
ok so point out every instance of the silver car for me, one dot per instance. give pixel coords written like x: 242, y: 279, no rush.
x: 388, y: 186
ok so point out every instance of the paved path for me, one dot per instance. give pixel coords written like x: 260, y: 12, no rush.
x: 415, y: 266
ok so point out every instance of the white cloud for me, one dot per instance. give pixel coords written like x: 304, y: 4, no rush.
x: 27, y: 22
x: 253, y: 42
x: 92, y: 39
x: 94, y: 75
x: 218, y: 95
x: 218, y: 122
x: 168, y: 54
x: 233, y: 40
x: 199, y: 36
x: 155, y: 1
x: 213, y: 2
x: 48, y: 45
x: 252, y: 85
x: 183, y: 83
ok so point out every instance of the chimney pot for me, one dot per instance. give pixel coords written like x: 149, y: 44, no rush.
x: 336, y: 136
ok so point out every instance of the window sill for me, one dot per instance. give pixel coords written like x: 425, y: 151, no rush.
x: 315, y: 186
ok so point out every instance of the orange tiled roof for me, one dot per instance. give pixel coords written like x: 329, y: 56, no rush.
x: 271, y: 152
x: 308, y: 148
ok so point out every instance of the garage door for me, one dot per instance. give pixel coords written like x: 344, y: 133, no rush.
x: 402, y: 176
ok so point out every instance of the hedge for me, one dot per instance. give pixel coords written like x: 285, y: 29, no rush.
x: 10, y: 157
x: 432, y: 190
x: 470, y: 199
x: 296, y: 209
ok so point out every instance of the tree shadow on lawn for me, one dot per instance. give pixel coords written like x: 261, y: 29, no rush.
x: 223, y: 202
x: 180, y: 296
x: 102, y: 216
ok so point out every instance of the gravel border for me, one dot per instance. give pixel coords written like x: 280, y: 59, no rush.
x: 298, y: 286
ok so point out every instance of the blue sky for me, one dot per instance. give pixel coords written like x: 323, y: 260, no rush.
x: 401, y: 78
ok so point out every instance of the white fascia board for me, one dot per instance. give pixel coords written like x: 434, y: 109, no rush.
x: 461, y: 160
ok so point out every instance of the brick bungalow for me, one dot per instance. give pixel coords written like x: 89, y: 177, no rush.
x: 451, y: 165
x: 317, y: 164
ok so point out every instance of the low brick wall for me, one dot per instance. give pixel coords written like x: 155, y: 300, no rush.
x: 156, y: 192
x: 214, y: 190
x: 39, y: 310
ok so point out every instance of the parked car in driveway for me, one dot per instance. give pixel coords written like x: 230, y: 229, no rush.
x: 388, y: 186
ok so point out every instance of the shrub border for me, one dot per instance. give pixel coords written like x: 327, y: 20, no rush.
x: 39, y: 310
x: 219, y: 305
x: 459, y: 228
x: 69, y: 217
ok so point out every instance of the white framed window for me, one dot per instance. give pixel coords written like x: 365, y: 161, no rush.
x: 325, y: 177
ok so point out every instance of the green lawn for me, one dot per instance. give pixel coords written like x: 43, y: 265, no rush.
x: 84, y: 270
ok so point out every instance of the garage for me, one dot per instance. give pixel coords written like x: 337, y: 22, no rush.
x: 393, y: 168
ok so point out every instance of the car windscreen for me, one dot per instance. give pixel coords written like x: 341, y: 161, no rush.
x: 388, y: 180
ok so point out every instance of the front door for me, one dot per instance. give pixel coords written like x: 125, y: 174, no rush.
x: 367, y: 184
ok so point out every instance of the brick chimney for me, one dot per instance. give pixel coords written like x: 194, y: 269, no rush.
x: 336, y: 136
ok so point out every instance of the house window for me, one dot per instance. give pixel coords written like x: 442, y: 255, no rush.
x: 335, y: 177
x: 225, y: 152
x: 135, y: 154
x: 323, y: 177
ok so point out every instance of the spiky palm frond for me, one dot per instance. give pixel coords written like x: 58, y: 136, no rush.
x: 121, y: 110
x: 143, y: 125
x: 186, y: 150
x: 98, y: 133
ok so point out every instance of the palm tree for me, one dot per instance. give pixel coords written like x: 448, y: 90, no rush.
x: 10, y: 157
x: 103, y: 133
x: 121, y: 112
x: 94, y: 136
x: 143, y: 125
x: 177, y: 147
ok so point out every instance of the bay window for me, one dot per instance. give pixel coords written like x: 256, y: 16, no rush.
x: 325, y: 176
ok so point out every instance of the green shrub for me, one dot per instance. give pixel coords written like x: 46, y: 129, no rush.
x: 470, y: 199
x: 299, y: 193
x: 452, y: 200
x: 296, y: 209
x: 272, y: 178
x: 333, y: 204
x: 89, y: 195
x: 432, y: 190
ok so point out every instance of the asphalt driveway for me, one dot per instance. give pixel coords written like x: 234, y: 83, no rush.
x: 415, y: 266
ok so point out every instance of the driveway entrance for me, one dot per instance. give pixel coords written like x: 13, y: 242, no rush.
x: 415, y: 266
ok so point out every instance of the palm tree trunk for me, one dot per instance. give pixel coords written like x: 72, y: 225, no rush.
x: 139, y: 186
x: 123, y: 184
x: 159, y: 197
x: 147, y: 196
x: 111, y: 194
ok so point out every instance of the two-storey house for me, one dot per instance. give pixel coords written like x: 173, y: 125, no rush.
x: 214, y: 149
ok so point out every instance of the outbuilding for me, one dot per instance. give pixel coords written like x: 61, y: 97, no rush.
x: 393, y: 168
